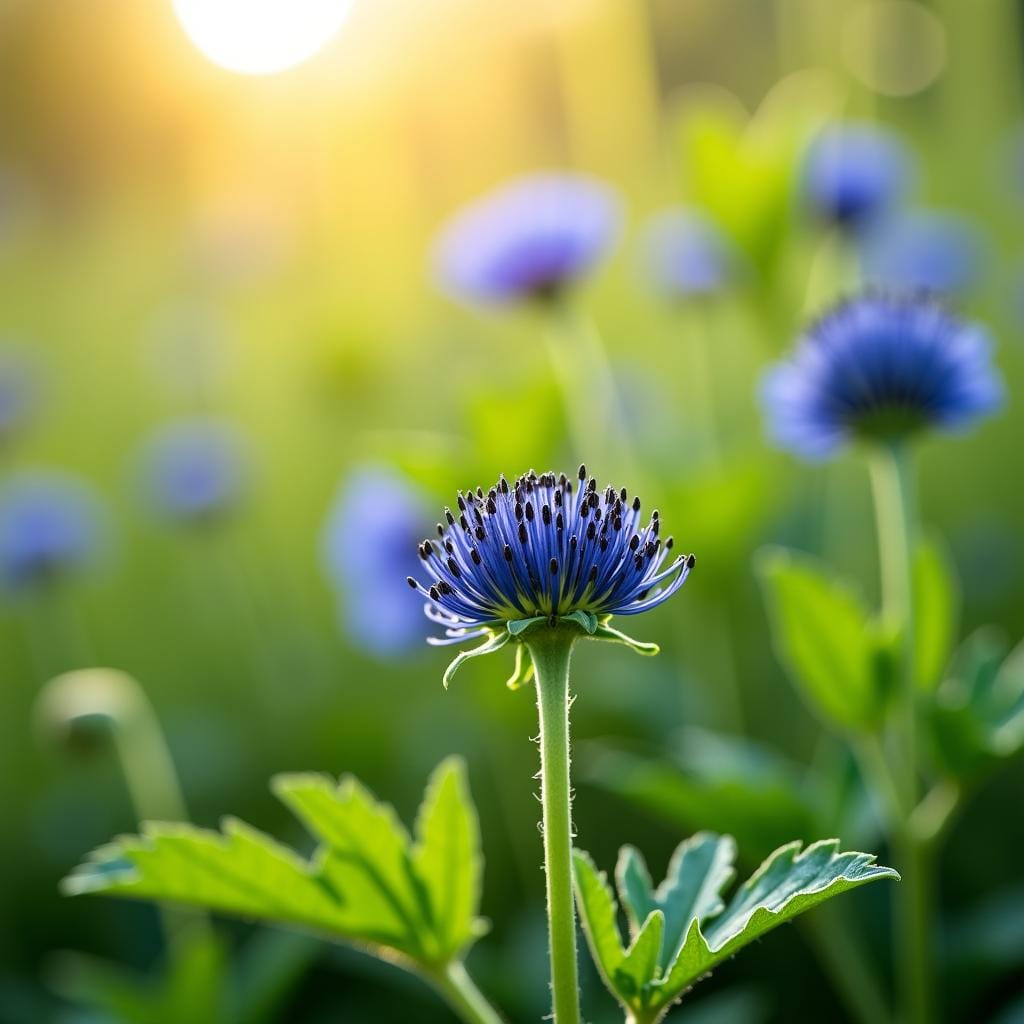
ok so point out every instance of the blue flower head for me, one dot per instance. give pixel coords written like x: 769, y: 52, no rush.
x: 880, y: 367
x: 50, y: 527
x: 369, y: 546
x: 688, y: 256
x: 530, y: 239
x: 545, y: 550
x: 928, y: 250
x: 854, y: 173
x: 195, y: 471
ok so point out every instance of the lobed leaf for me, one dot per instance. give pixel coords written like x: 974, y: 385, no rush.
x: 366, y: 883
x: 695, y: 929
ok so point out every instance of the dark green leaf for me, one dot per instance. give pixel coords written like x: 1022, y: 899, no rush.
x: 788, y: 883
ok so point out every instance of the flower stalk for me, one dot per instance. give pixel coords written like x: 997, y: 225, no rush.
x: 551, y: 651
x: 892, y: 481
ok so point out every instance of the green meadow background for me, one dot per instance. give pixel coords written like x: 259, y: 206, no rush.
x: 176, y: 239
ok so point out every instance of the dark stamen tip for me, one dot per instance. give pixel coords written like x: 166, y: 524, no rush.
x: 691, y: 561
x: 412, y: 583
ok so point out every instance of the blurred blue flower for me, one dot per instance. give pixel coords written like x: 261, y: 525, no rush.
x: 854, y: 173
x: 529, y: 239
x: 50, y: 526
x: 687, y: 255
x: 195, y: 470
x: 934, y: 251
x: 544, y: 546
x: 880, y: 366
x: 19, y: 392
x: 369, y: 547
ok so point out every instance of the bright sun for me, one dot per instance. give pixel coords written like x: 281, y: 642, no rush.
x: 259, y: 37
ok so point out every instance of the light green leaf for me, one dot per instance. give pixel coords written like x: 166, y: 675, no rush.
x: 825, y: 639
x: 237, y: 871
x: 365, y: 884
x: 936, y: 612
x: 977, y: 717
x: 447, y: 857
x: 493, y: 643
x: 597, y: 915
x: 640, y: 963
x: 366, y: 854
x: 788, y: 883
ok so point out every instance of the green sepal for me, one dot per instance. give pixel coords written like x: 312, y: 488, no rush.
x: 587, y: 621
x: 517, y: 627
x: 493, y: 643
x: 606, y: 632
x: 522, y: 673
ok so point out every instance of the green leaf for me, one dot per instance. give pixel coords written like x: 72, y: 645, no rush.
x: 597, y: 915
x: 936, y: 611
x: 641, y: 960
x: 447, y: 857
x: 977, y: 716
x: 788, y: 883
x: 824, y: 638
x: 366, y: 883
x: 698, y: 871
x: 493, y: 643
x: 724, y: 783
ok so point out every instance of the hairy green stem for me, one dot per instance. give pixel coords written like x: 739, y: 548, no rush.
x: 551, y: 650
x: 891, y: 475
x: 459, y: 989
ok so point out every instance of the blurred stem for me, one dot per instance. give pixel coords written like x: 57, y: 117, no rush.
x: 551, y: 651
x: 701, y: 378
x: 844, y: 962
x: 154, y: 790
x: 592, y: 404
x: 463, y: 996
x: 891, y: 474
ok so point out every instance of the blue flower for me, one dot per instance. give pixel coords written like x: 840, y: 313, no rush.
x: 369, y: 546
x: 548, y: 547
x: 530, y: 239
x: 195, y: 470
x: 18, y: 392
x: 880, y: 366
x: 50, y: 526
x: 934, y: 251
x: 854, y: 173
x: 687, y: 255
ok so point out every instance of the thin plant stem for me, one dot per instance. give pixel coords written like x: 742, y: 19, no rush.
x: 551, y: 650
x: 891, y: 475
x: 593, y: 406
x: 843, y: 959
x: 461, y: 993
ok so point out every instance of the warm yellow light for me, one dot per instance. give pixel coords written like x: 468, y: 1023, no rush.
x: 259, y: 37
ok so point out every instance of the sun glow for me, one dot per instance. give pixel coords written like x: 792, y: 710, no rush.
x: 260, y: 37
